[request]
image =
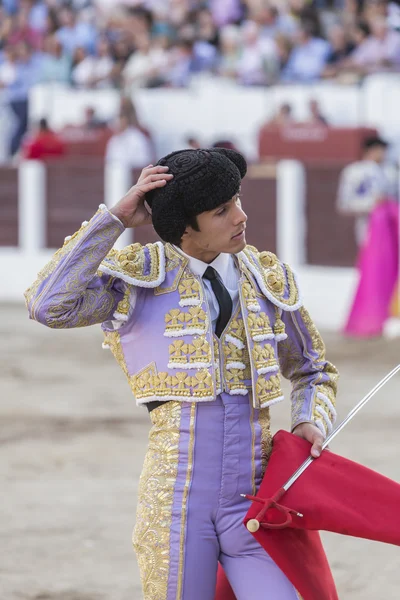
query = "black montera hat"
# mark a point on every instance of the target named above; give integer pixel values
(203, 180)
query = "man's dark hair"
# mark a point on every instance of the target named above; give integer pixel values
(190, 222)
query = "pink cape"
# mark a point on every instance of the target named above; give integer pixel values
(378, 269)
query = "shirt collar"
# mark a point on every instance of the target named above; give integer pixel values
(221, 264)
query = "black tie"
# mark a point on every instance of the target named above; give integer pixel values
(223, 298)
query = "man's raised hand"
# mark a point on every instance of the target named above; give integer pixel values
(131, 209)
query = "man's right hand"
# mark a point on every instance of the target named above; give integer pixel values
(131, 210)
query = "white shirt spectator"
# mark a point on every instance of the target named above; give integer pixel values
(130, 148)
(142, 66)
(93, 72)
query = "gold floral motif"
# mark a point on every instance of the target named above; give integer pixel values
(268, 389)
(235, 379)
(264, 357)
(279, 326)
(189, 290)
(237, 330)
(151, 536)
(268, 259)
(233, 353)
(192, 321)
(275, 282)
(131, 258)
(259, 326)
(250, 296)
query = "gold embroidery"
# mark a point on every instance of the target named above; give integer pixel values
(268, 390)
(189, 290)
(113, 341)
(124, 304)
(233, 353)
(185, 502)
(148, 385)
(132, 261)
(173, 260)
(264, 357)
(217, 365)
(264, 420)
(268, 259)
(250, 296)
(196, 354)
(235, 379)
(151, 536)
(275, 275)
(259, 326)
(236, 330)
(316, 340)
(279, 326)
(99, 238)
(179, 322)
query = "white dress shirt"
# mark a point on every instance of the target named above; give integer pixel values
(226, 268)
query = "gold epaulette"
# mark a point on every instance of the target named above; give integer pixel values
(275, 279)
(135, 264)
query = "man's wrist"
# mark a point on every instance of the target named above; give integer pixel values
(118, 216)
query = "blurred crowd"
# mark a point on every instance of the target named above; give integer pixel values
(128, 44)
(163, 43)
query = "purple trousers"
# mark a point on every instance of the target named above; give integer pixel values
(201, 457)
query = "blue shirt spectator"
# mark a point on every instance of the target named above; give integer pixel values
(307, 59)
(74, 34)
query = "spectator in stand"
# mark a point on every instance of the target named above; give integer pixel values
(341, 48)
(95, 71)
(8, 67)
(21, 31)
(316, 117)
(282, 118)
(91, 121)
(379, 52)
(75, 33)
(308, 57)
(226, 12)
(129, 146)
(258, 62)
(207, 29)
(229, 51)
(55, 63)
(43, 144)
(17, 89)
(284, 48)
(146, 66)
(180, 64)
(271, 21)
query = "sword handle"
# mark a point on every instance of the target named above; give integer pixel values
(261, 519)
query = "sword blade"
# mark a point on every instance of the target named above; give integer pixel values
(343, 424)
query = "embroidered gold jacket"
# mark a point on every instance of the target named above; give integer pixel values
(156, 321)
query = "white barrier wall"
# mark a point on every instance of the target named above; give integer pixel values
(213, 108)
